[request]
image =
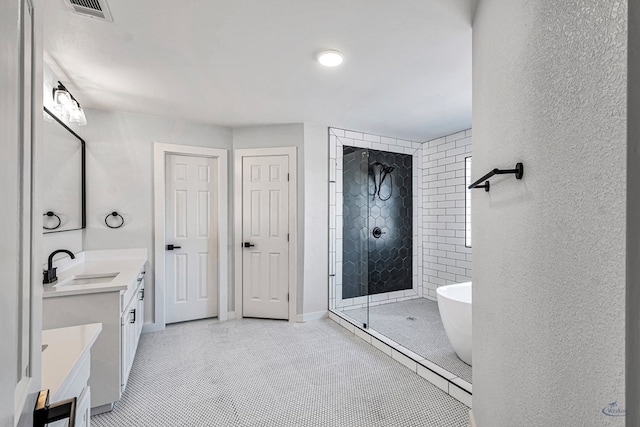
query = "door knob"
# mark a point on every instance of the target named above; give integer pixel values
(248, 245)
(172, 247)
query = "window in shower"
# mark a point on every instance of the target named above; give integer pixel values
(467, 202)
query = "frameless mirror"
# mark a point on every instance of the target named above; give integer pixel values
(63, 171)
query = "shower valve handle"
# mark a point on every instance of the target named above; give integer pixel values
(377, 232)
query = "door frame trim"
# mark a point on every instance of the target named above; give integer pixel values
(160, 152)
(293, 221)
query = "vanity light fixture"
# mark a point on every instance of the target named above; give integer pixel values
(330, 58)
(61, 97)
(68, 106)
(76, 115)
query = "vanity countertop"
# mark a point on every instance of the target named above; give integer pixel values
(125, 269)
(65, 347)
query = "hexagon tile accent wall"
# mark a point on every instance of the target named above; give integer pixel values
(377, 222)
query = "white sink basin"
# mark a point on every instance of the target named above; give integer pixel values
(87, 279)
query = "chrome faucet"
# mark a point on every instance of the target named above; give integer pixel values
(50, 274)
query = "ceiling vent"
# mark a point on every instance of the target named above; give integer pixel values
(97, 9)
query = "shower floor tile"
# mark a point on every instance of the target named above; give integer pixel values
(416, 325)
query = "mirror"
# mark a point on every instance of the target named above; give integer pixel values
(64, 177)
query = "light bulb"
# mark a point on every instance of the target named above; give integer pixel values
(61, 97)
(330, 58)
(82, 119)
(64, 115)
(77, 116)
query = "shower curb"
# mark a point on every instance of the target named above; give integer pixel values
(454, 386)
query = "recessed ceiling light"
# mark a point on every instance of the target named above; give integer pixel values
(330, 58)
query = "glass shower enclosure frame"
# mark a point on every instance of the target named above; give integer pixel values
(351, 269)
(360, 179)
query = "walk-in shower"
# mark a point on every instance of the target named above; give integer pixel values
(374, 235)
(397, 232)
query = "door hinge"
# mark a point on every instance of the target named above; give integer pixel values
(287, 297)
(287, 177)
(287, 237)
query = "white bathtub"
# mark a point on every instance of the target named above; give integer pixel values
(454, 303)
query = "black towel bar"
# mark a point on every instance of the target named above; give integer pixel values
(518, 172)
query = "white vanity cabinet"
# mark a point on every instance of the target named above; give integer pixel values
(119, 306)
(66, 368)
(131, 323)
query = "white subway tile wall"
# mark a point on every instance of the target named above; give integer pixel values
(444, 219)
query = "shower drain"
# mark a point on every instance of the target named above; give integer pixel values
(411, 318)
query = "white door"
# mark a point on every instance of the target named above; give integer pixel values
(265, 237)
(190, 238)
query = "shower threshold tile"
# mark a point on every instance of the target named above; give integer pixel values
(460, 394)
(363, 335)
(463, 384)
(433, 378)
(409, 353)
(406, 361)
(437, 369)
(386, 349)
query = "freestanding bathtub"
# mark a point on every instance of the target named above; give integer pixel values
(454, 303)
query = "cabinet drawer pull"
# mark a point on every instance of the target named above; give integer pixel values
(141, 293)
(133, 313)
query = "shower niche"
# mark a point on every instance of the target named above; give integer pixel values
(377, 225)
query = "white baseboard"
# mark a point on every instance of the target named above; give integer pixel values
(307, 317)
(155, 327)
(152, 327)
(472, 421)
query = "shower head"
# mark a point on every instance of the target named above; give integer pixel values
(383, 167)
(379, 176)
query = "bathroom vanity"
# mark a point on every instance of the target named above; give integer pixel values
(66, 367)
(102, 287)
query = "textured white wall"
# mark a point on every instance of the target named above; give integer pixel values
(633, 213)
(316, 219)
(549, 83)
(445, 258)
(120, 175)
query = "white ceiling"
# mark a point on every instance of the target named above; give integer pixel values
(407, 68)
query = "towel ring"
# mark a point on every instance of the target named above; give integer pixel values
(114, 214)
(50, 214)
